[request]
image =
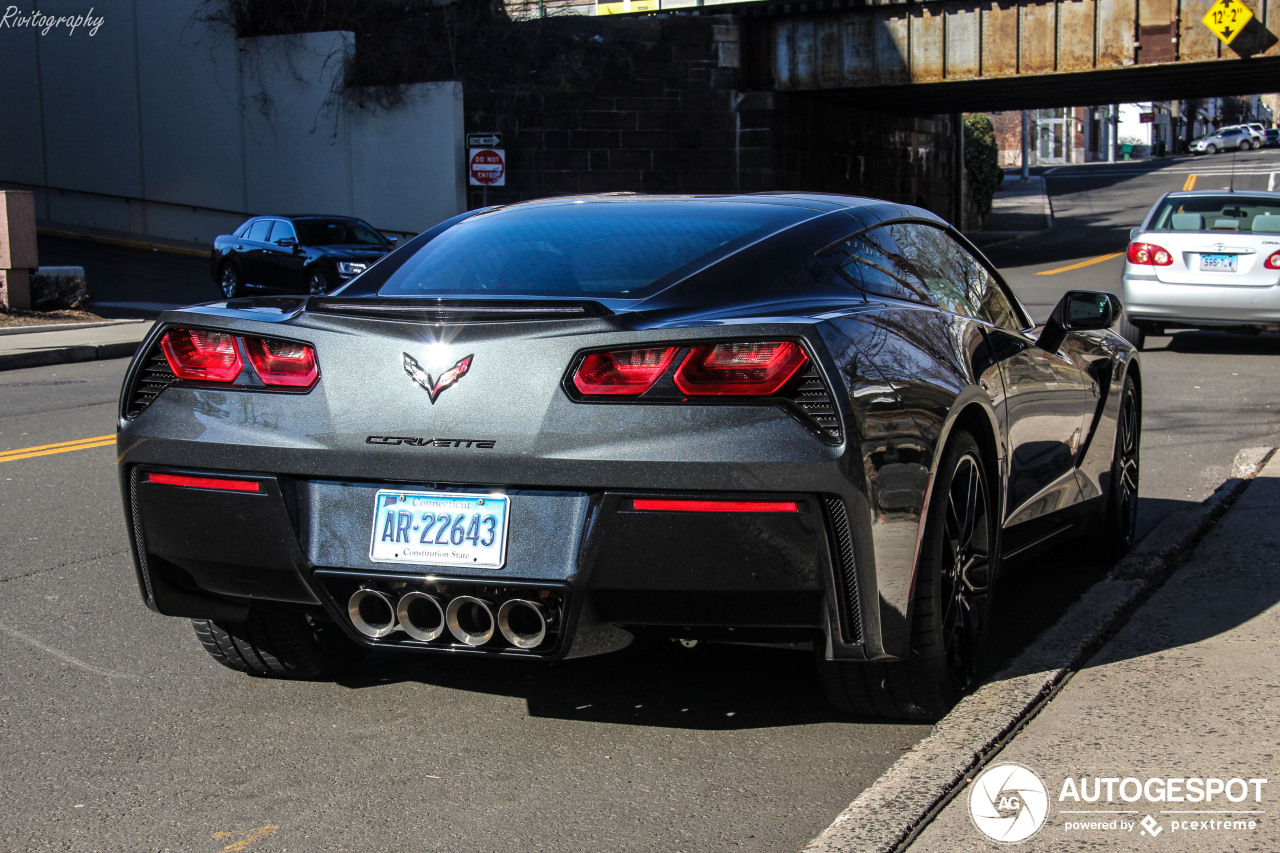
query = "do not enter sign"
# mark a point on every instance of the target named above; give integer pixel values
(488, 167)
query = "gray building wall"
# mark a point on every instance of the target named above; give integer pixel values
(163, 126)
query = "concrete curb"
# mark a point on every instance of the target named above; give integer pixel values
(63, 327)
(67, 355)
(900, 804)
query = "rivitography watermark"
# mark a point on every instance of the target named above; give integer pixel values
(16, 19)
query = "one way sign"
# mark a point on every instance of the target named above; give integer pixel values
(1227, 18)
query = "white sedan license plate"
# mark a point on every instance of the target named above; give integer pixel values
(439, 529)
(1217, 263)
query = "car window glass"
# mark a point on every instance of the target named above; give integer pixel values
(1225, 212)
(872, 262)
(957, 281)
(337, 232)
(282, 230)
(610, 248)
(259, 230)
(243, 231)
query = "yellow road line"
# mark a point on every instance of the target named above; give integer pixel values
(1190, 184)
(61, 447)
(1087, 263)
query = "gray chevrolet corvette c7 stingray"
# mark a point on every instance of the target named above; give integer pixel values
(541, 430)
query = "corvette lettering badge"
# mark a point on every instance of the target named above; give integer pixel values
(436, 387)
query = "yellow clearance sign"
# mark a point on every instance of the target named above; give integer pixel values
(1227, 18)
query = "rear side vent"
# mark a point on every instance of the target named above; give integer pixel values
(813, 399)
(151, 379)
(846, 574)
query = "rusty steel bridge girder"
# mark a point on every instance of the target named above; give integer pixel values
(882, 46)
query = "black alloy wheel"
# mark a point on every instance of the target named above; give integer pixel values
(318, 282)
(1122, 496)
(964, 572)
(229, 280)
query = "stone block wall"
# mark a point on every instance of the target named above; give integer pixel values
(668, 114)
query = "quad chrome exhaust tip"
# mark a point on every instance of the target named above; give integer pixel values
(372, 613)
(470, 620)
(523, 623)
(421, 616)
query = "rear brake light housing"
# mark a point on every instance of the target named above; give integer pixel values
(1149, 253)
(628, 372)
(282, 363)
(755, 369)
(196, 355)
(1273, 262)
(202, 355)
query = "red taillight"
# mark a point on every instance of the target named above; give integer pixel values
(628, 372)
(663, 505)
(220, 483)
(1273, 262)
(756, 369)
(1149, 253)
(201, 356)
(282, 362)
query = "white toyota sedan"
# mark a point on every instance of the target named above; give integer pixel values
(1204, 260)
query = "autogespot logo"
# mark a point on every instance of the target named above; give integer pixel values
(1008, 803)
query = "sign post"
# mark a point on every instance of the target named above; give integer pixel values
(486, 162)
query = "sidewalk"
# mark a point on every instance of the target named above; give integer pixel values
(1189, 689)
(37, 346)
(1019, 207)
(1157, 737)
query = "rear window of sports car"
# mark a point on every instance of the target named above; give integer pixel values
(619, 249)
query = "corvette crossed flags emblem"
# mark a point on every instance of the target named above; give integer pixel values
(435, 387)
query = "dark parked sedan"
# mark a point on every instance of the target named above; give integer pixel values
(300, 254)
(540, 430)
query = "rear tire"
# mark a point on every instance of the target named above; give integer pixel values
(951, 605)
(1132, 332)
(280, 644)
(1121, 522)
(1245, 146)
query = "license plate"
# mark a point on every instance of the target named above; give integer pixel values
(1217, 263)
(439, 529)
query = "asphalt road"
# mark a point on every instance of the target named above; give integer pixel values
(117, 732)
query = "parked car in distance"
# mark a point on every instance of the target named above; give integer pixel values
(538, 430)
(1227, 139)
(1208, 259)
(1272, 137)
(298, 254)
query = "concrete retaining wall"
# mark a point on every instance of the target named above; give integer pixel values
(162, 126)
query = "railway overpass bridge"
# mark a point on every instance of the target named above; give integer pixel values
(936, 56)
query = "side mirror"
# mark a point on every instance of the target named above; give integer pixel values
(392, 240)
(287, 242)
(1079, 311)
(1133, 234)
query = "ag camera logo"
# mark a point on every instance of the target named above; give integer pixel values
(1008, 803)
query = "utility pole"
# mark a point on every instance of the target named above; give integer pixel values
(1026, 146)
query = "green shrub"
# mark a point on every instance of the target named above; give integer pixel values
(981, 160)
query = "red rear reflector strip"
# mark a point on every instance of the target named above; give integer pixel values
(663, 505)
(218, 483)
